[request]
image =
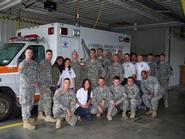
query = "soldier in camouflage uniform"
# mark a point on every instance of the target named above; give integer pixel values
(45, 81)
(28, 84)
(109, 56)
(133, 98)
(152, 64)
(115, 70)
(107, 62)
(120, 55)
(77, 69)
(117, 98)
(164, 72)
(93, 69)
(100, 56)
(64, 104)
(152, 93)
(103, 60)
(100, 98)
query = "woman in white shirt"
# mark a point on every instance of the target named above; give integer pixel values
(67, 72)
(83, 100)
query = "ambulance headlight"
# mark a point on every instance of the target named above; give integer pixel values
(76, 32)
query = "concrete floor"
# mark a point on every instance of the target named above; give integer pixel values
(170, 124)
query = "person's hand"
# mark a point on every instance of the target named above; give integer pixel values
(84, 106)
(152, 95)
(102, 104)
(69, 114)
(100, 109)
(116, 103)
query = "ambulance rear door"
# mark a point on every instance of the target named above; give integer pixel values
(68, 45)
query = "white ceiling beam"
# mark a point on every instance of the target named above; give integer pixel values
(162, 24)
(9, 4)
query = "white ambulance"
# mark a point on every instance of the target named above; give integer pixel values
(62, 39)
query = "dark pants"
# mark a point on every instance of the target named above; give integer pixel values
(138, 83)
(84, 113)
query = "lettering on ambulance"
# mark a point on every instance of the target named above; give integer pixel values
(113, 49)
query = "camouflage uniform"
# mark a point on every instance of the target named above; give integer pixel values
(164, 73)
(152, 92)
(28, 77)
(105, 63)
(101, 60)
(153, 68)
(115, 70)
(77, 69)
(45, 81)
(133, 98)
(100, 95)
(64, 101)
(118, 96)
(93, 70)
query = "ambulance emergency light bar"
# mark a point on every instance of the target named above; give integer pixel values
(30, 37)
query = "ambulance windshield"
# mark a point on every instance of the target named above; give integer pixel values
(8, 52)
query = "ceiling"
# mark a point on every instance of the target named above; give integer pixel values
(116, 15)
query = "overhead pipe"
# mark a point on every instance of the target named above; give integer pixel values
(99, 13)
(10, 4)
(183, 6)
(77, 13)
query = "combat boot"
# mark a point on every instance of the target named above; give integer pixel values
(31, 120)
(109, 116)
(124, 115)
(28, 125)
(149, 112)
(41, 116)
(154, 114)
(79, 118)
(98, 114)
(50, 119)
(132, 116)
(58, 123)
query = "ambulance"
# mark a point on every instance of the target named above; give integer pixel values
(62, 39)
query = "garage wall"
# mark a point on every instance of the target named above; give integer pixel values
(159, 41)
(8, 29)
(177, 58)
(148, 41)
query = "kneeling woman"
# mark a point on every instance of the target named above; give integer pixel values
(83, 100)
